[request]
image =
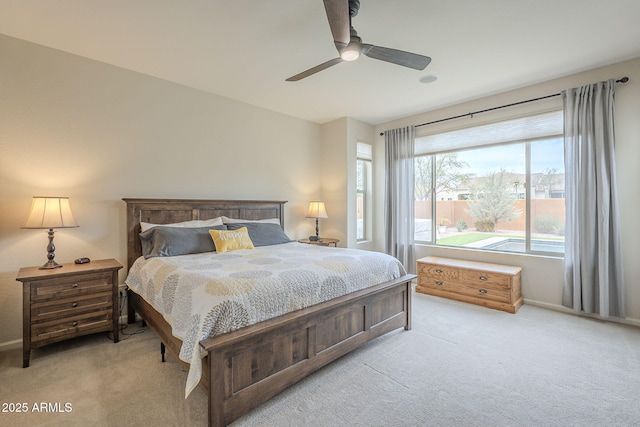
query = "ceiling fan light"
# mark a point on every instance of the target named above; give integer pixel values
(350, 53)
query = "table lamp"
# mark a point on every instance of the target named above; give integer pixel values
(50, 212)
(316, 210)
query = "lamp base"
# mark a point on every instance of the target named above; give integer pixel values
(50, 265)
(314, 238)
(51, 249)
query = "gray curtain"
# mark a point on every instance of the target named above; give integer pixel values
(399, 200)
(593, 257)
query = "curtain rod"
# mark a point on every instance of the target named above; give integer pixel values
(622, 80)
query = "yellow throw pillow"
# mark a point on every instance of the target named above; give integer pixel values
(228, 240)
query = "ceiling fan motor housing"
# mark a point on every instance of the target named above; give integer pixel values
(354, 7)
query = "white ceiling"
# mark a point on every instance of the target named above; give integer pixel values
(245, 49)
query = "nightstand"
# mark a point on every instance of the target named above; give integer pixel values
(66, 302)
(324, 241)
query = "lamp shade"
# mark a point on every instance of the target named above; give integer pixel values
(50, 212)
(316, 210)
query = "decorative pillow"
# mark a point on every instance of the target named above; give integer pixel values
(227, 220)
(144, 226)
(161, 241)
(263, 234)
(227, 240)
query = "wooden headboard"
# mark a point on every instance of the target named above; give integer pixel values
(167, 211)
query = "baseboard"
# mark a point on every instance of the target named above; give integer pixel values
(10, 345)
(563, 309)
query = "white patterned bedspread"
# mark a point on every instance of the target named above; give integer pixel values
(207, 294)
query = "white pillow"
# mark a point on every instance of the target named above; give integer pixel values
(227, 220)
(186, 224)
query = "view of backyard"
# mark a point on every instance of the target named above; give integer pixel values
(482, 197)
(456, 226)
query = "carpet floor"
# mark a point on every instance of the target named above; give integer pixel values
(460, 365)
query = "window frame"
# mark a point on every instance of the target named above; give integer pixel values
(364, 156)
(527, 193)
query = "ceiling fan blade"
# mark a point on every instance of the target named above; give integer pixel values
(338, 16)
(314, 70)
(400, 57)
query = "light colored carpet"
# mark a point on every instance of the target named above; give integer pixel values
(460, 365)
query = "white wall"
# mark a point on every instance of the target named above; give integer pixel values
(542, 276)
(339, 155)
(70, 126)
(334, 163)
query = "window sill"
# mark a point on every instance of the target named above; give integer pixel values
(487, 251)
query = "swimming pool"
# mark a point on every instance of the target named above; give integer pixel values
(518, 245)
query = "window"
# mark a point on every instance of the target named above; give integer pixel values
(493, 187)
(363, 191)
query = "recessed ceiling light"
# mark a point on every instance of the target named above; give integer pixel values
(428, 79)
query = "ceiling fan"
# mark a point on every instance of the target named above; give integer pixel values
(350, 46)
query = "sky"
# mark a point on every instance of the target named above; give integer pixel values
(545, 155)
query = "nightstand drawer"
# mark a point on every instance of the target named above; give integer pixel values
(484, 278)
(433, 283)
(486, 293)
(67, 307)
(437, 271)
(71, 286)
(76, 325)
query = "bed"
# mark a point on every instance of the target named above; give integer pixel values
(247, 366)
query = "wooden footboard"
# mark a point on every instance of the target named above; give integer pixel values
(247, 367)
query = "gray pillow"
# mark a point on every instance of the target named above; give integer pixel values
(162, 241)
(263, 234)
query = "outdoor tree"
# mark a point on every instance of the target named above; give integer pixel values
(422, 177)
(492, 199)
(448, 175)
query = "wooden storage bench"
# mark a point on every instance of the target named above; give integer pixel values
(491, 285)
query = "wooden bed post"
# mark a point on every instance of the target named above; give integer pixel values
(216, 389)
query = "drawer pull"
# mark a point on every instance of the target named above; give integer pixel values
(74, 324)
(75, 285)
(439, 271)
(482, 291)
(75, 304)
(483, 278)
(439, 283)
